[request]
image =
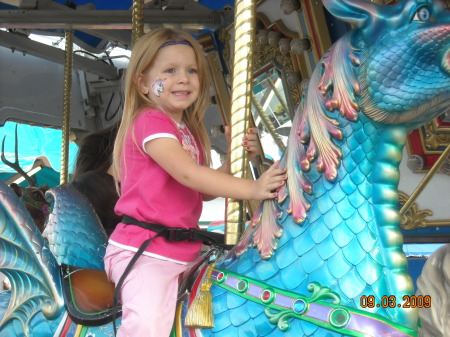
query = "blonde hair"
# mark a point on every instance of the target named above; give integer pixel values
(142, 56)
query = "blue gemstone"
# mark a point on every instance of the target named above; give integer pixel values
(299, 306)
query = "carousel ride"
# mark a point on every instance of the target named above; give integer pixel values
(325, 258)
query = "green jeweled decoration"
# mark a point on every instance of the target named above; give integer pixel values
(318, 293)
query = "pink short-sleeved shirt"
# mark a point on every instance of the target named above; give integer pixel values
(150, 194)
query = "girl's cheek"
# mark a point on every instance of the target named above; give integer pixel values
(158, 86)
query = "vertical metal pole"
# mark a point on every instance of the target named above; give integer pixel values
(244, 32)
(137, 29)
(267, 123)
(68, 62)
(277, 94)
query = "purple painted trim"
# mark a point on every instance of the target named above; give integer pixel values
(283, 301)
(317, 311)
(231, 282)
(379, 328)
(254, 290)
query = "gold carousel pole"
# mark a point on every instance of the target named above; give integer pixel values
(267, 123)
(68, 62)
(277, 94)
(244, 31)
(137, 18)
(437, 165)
(137, 32)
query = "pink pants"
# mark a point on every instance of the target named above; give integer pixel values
(148, 294)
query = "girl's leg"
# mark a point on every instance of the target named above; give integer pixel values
(148, 295)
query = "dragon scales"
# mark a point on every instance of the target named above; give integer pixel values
(331, 239)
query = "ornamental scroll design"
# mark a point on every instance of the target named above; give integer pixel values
(435, 136)
(414, 218)
(264, 53)
(318, 293)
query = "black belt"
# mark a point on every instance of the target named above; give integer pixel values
(177, 233)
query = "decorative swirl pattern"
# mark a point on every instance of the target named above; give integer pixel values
(28, 263)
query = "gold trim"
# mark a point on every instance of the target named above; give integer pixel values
(265, 55)
(277, 25)
(137, 28)
(217, 75)
(439, 128)
(225, 36)
(414, 218)
(437, 165)
(67, 99)
(435, 137)
(316, 23)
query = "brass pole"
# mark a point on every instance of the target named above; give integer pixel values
(277, 94)
(244, 31)
(68, 62)
(437, 165)
(137, 19)
(267, 123)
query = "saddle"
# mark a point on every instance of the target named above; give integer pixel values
(89, 296)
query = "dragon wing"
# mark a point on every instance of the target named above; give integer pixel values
(74, 231)
(28, 263)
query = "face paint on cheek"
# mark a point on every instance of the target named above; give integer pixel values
(158, 86)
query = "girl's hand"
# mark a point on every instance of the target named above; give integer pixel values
(267, 186)
(249, 141)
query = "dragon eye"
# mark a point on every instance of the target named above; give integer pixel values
(38, 195)
(422, 14)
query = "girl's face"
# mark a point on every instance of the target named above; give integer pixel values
(172, 81)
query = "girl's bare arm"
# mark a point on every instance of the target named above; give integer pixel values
(170, 155)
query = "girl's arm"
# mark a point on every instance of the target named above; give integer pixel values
(171, 156)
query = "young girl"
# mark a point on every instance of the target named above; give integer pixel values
(161, 159)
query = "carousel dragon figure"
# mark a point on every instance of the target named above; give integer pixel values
(325, 259)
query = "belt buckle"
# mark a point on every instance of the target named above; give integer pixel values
(191, 234)
(177, 234)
